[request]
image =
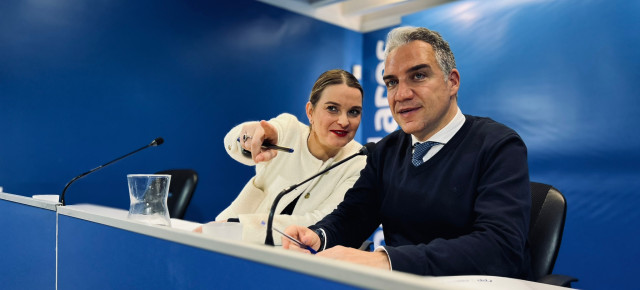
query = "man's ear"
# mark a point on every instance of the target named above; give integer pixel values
(454, 82)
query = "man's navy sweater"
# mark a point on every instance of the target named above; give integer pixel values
(463, 212)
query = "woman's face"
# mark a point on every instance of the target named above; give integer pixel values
(334, 120)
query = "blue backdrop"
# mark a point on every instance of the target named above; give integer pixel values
(83, 82)
(564, 74)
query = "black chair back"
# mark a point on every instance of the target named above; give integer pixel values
(181, 189)
(548, 213)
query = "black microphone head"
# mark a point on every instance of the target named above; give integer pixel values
(367, 148)
(157, 141)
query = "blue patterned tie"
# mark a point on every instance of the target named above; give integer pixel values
(420, 150)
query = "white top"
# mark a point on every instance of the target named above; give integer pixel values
(325, 192)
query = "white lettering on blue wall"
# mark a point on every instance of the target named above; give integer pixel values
(383, 120)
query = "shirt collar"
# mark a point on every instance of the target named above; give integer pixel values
(445, 134)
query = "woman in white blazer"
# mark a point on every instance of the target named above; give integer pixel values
(334, 111)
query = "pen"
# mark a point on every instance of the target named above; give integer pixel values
(300, 244)
(267, 145)
(276, 147)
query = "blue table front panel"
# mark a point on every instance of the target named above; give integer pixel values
(28, 246)
(96, 256)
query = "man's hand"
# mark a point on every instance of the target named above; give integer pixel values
(310, 238)
(372, 259)
(302, 234)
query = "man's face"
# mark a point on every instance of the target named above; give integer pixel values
(420, 100)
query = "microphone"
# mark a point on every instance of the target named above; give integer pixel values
(366, 149)
(156, 142)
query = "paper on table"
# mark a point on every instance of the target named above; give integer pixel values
(184, 225)
(47, 197)
(224, 230)
(492, 282)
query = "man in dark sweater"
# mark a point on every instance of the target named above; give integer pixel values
(450, 190)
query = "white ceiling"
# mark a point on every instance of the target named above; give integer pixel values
(357, 15)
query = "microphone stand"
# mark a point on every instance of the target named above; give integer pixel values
(269, 238)
(155, 142)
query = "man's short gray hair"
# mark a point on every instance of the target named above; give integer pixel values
(403, 35)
